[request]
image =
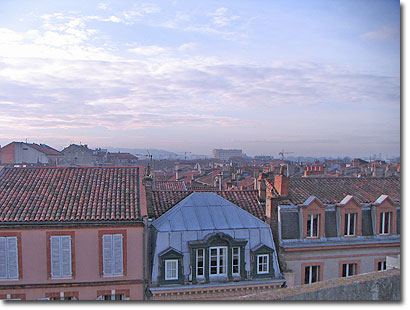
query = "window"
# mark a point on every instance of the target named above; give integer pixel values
(381, 266)
(236, 261)
(113, 295)
(112, 246)
(171, 269)
(349, 270)
(263, 264)
(312, 274)
(385, 223)
(350, 224)
(313, 225)
(217, 260)
(60, 254)
(200, 263)
(8, 258)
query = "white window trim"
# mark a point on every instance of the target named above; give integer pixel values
(354, 267)
(218, 255)
(311, 217)
(166, 269)
(349, 229)
(258, 264)
(383, 220)
(203, 263)
(239, 261)
(7, 257)
(310, 268)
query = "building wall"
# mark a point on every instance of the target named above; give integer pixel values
(383, 285)
(7, 154)
(87, 279)
(26, 154)
(366, 258)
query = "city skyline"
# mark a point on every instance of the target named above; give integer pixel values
(316, 78)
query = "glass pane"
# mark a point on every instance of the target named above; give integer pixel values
(315, 225)
(346, 224)
(352, 224)
(315, 274)
(307, 275)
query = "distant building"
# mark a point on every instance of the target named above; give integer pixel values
(122, 159)
(31, 154)
(226, 154)
(77, 155)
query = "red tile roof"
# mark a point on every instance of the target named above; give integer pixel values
(333, 190)
(170, 185)
(69, 194)
(162, 201)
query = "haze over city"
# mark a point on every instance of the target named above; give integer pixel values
(317, 78)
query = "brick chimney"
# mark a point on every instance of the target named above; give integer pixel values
(282, 184)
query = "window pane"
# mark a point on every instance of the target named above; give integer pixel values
(352, 224)
(315, 225)
(315, 275)
(307, 275)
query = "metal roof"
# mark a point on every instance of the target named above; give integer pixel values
(206, 211)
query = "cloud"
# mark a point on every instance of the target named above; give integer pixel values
(221, 19)
(148, 50)
(386, 33)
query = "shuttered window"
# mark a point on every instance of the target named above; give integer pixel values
(8, 258)
(60, 248)
(112, 255)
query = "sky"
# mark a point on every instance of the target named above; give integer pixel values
(311, 77)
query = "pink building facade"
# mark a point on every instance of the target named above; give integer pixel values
(82, 241)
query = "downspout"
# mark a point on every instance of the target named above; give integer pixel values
(144, 260)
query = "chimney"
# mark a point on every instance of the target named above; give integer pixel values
(261, 186)
(177, 173)
(282, 185)
(220, 181)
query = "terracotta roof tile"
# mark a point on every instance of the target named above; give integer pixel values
(69, 194)
(333, 190)
(162, 201)
(170, 185)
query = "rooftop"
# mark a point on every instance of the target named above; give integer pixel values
(69, 194)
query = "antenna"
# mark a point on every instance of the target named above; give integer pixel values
(283, 153)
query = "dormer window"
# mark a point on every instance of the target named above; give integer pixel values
(313, 226)
(385, 220)
(350, 224)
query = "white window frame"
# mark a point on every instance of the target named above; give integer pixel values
(220, 250)
(348, 229)
(111, 266)
(310, 218)
(9, 258)
(203, 263)
(239, 261)
(310, 270)
(171, 261)
(259, 263)
(383, 223)
(383, 265)
(350, 266)
(62, 257)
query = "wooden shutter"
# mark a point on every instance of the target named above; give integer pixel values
(12, 258)
(3, 258)
(118, 254)
(55, 256)
(65, 255)
(107, 255)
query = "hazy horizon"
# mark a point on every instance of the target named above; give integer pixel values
(313, 77)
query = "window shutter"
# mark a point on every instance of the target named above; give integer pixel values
(107, 255)
(66, 256)
(3, 258)
(118, 254)
(55, 256)
(12, 257)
